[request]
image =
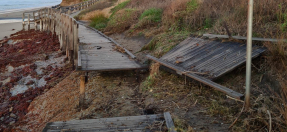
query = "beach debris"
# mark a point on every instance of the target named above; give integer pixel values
(120, 49)
(24, 67)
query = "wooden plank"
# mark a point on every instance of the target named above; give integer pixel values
(130, 123)
(135, 124)
(79, 60)
(205, 81)
(244, 38)
(99, 66)
(113, 119)
(169, 122)
(128, 52)
(82, 92)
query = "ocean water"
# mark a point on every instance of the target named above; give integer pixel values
(13, 5)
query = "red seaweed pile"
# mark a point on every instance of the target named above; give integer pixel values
(29, 47)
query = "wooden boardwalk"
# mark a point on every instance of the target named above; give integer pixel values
(98, 52)
(206, 60)
(86, 48)
(144, 123)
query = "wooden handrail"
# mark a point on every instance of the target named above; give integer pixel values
(57, 21)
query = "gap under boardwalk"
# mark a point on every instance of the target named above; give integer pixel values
(99, 53)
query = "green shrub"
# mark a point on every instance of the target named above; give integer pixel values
(153, 15)
(122, 21)
(99, 21)
(192, 5)
(208, 23)
(150, 17)
(119, 7)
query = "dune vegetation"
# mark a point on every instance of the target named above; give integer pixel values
(169, 22)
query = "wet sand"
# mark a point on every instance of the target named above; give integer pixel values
(9, 28)
(11, 21)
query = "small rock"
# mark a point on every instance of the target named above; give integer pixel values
(29, 101)
(46, 90)
(10, 109)
(13, 115)
(2, 118)
(11, 123)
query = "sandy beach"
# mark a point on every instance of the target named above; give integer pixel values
(10, 21)
(9, 28)
(16, 14)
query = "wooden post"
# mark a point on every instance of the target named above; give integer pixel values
(82, 92)
(35, 23)
(23, 21)
(69, 12)
(76, 26)
(41, 25)
(49, 20)
(169, 122)
(28, 21)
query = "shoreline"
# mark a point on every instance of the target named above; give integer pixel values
(11, 21)
(17, 13)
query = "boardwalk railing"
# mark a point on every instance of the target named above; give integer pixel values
(34, 17)
(58, 22)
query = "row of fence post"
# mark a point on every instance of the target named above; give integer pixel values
(59, 23)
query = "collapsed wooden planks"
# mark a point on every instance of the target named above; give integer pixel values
(205, 60)
(244, 38)
(129, 123)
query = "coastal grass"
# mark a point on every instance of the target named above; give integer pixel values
(150, 17)
(169, 22)
(123, 20)
(99, 21)
(119, 7)
(98, 6)
(162, 43)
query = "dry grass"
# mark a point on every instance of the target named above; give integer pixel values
(123, 20)
(162, 43)
(180, 17)
(70, 2)
(100, 7)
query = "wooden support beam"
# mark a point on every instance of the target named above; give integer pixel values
(169, 122)
(203, 80)
(82, 92)
(28, 21)
(244, 38)
(41, 25)
(79, 60)
(23, 21)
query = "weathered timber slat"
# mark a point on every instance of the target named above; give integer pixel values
(169, 122)
(244, 38)
(203, 80)
(129, 123)
(99, 53)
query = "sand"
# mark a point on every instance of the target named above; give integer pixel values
(10, 21)
(14, 14)
(7, 28)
